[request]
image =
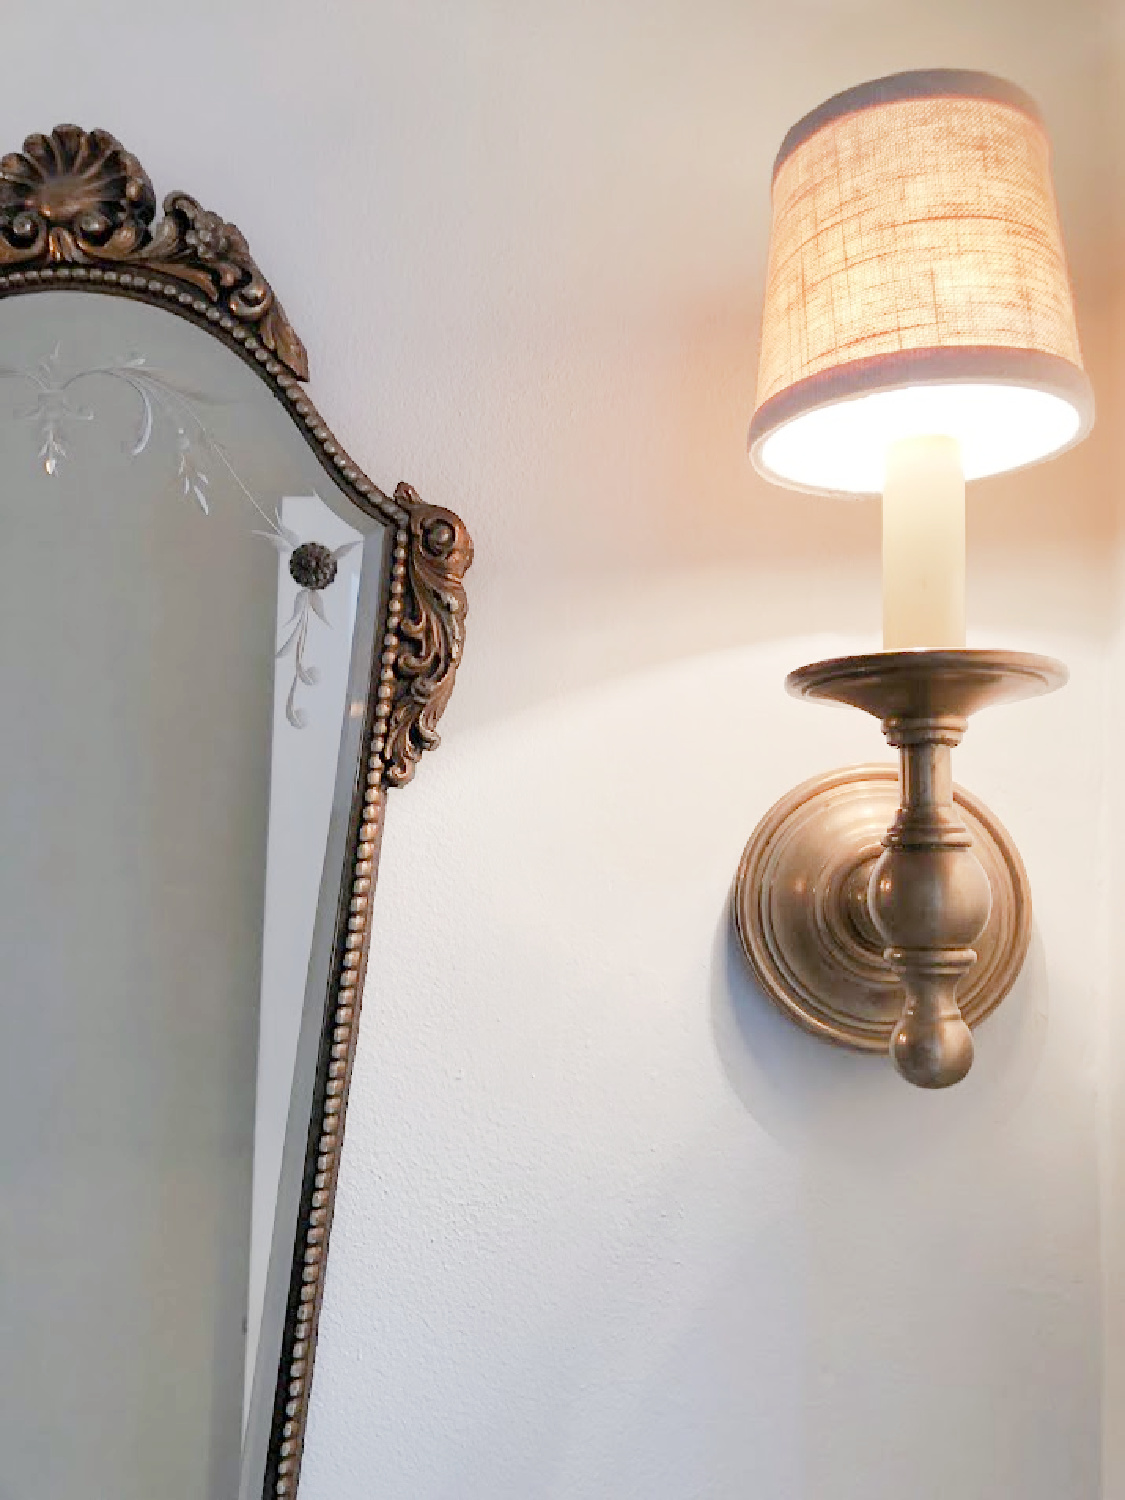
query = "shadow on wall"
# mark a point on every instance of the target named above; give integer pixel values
(816, 1099)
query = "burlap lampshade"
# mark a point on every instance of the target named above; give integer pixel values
(917, 284)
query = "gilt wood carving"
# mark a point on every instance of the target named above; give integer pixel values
(77, 197)
(431, 632)
(78, 211)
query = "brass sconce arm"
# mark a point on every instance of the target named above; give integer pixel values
(872, 947)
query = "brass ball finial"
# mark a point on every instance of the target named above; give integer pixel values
(932, 1052)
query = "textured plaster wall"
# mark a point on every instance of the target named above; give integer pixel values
(1113, 833)
(1113, 1037)
(607, 1226)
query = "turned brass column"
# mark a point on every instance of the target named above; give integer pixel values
(929, 900)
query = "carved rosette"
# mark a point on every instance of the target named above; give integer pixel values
(431, 632)
(78, 197)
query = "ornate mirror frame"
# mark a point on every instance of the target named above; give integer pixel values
(78, 211)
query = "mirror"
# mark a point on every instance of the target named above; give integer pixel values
(222, 646)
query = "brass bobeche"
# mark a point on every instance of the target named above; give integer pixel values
(819, 909)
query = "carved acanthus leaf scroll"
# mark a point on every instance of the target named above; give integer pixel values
(77, 197)
(431, 631)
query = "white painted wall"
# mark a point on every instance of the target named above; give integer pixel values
(607, 1226)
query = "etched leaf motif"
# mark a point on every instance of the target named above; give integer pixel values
(197, 453)
(193, 479)
(312, 565)
(144, 430)
(52, 449)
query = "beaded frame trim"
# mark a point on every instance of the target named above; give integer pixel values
(77, 212)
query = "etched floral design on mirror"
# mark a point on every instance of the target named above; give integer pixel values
(198, 453)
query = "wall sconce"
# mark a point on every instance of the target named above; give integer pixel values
(918, 331)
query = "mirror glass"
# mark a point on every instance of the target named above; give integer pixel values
(188, 610)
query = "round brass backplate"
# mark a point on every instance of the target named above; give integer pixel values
(800, 906)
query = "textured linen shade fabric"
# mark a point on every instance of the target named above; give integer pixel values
(917, 286)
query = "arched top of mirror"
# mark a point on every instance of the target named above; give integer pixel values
(78, 212)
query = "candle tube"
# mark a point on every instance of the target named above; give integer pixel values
(924, 545)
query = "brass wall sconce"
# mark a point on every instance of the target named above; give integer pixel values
(918, 331)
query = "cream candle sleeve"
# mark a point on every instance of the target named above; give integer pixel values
(924, 545)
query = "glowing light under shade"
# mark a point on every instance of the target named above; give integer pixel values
(842, 447)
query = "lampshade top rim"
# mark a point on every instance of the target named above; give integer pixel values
(921, 83)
